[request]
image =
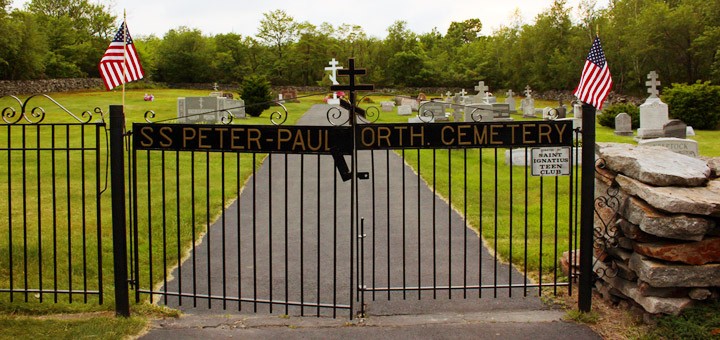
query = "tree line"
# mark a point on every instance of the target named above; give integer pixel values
(680, 39)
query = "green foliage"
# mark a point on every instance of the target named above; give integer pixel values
(702, 322)
(256, 94)
(184, 56)
(607, 118)
(582, 317)
(698, 104)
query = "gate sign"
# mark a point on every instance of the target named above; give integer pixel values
(551, 161)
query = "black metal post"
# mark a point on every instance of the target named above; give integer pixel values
(587, 208)
(117, 175)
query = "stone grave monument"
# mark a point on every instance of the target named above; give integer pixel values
(687, 147)
(211, 109)
(653, 113)
(528, 104)
(623, 124)
(675, 128)
(510, 100)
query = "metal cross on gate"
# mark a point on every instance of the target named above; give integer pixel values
(352, 87)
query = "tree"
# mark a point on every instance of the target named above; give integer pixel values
(278, 30)
(22, 47)
(77, 33)
(464, 32)
(185, 56)
(255, 92)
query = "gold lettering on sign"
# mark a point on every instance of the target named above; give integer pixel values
(494, 134)
(526, 133)
(384, 134)
(415, 135)
(443, 134)
(235, 139)
(253, 136)
(148, 138)
(512, 132)
(299, 143)
(202, 132)
(481, 135)
(188, 134)
(544, 131)
(164, 134)
(560, 129)
(364, 134)
(462, 134)
(319, 140)
(283, 136)
(221, 132)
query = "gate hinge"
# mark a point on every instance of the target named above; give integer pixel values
(363, 175)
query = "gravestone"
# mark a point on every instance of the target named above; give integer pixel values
(479, 113)
(414, 105)
(510, 100)
(481, 96)
(687, 147)
(433, 109)
(561, 110)
(548, 113)
(528, 104)
(289, 95)
(653, 113)
(208, 109)
(501, 112)
(404, 110)
(577, 109)
(387, 106)
(623, 124)
(334, 100)
(675, 128)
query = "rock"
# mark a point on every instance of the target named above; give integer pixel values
(625, 243)
(659, 274)
(695, 253)
(700, 294)
(667, 292)
(634, 232)
(624, 271)
(651, 304)
(714, 164)
(654, 165)
(696, 201)
(621, 254)
(652, 221)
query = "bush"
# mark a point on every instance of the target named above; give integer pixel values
(255, 92)
(698, 105)
(607, 118)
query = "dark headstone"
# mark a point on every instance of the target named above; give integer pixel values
(561, 110)
(675, 128)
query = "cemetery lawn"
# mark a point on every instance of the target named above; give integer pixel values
(515, 217)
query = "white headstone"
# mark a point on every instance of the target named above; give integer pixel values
(653, 113)
(510, 100)
(549, 113)
(623, 124)
(687, 147)
(404, 110)
(528, 104)
(479, 113)
(334, 100)
(387, 106)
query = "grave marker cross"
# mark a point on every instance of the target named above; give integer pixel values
(352, 87)
(510, 93)
(653, 84)
(481, 88)
(333, 71)
(528, 91)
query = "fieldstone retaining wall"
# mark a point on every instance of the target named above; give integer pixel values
(657, 234)
(23, 87)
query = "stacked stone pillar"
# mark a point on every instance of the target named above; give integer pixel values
(658, 243)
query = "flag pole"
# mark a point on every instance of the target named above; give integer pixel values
(124, 77)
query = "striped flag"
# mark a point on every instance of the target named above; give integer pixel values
(595, 82)
(121, 54)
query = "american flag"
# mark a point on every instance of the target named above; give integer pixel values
(595, 82)
(113, 63)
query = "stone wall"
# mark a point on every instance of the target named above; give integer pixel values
(659, 244)
(26, 87)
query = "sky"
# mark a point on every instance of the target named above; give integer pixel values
(145, 17)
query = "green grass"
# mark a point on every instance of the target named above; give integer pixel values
(702, 322)
(496, 221)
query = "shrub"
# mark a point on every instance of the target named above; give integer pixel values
(698, 105)
(607, 118)
(255, 92)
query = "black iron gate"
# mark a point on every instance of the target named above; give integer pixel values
(312, 220)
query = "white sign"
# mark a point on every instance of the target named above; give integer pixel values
(551, 161)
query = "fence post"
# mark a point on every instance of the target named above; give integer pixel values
(117, 175)
(587, 208)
